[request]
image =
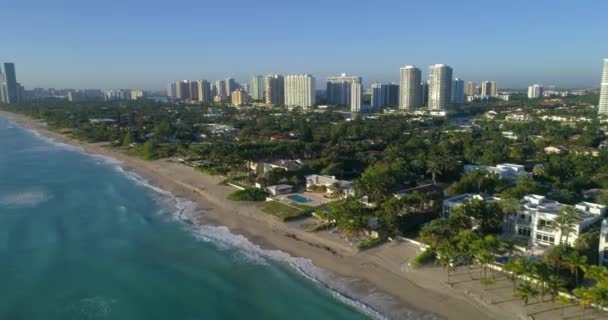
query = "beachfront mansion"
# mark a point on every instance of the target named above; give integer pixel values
(532, 223)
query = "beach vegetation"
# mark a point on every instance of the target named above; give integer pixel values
(248, 194)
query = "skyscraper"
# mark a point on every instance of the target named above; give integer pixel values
(10, 79)
(535, 91)
(182, 90)
(488, 89)
(424, 93)
(603, 106)
(339, 89)
(193, 90)
(470, 90)
(440, 87)
(239, 97)
(355, 97)
(391, 94)
(172, 90)
(3, 98)
(220, 90)
(409, 86)
(257, 87)
(204, 91)
(275, 89)
(457, 96)
(300, 91)
(378, 99)
(230, 86)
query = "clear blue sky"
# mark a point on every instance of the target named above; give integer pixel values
(144, 44)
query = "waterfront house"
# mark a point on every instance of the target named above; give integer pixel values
(344, 188)
(507, 171)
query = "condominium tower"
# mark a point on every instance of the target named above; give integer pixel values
(488, 89)
(535, 91)
(603, 106)
(11, 85)
(3, 98)
(378, 100)
(355, 97)
(440, 87)
(457, 96)
(339, 89)
(203, 91)
(257, 87)
(300, 91)
(470, 90)
(275, 89)
(409, 85)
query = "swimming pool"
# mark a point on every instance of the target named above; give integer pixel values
(299, 198)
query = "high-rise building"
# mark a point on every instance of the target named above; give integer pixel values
(245, 86)
(440, 87)
(203, 88)
(239, 97)
(275, 89)
(230, 86)
(172, 90)
(424, 93)
(603, 106)
(457, 96)
(220, 90)
(182, 90)
(378, 98)
(257, 87)
(409, 86)
(339, 89)
(488, 89)
(390, 91)
(3, 98)
(355, 97)
(470, 90)
(193, 90)
(300, 91)
(10, 80)
(135, 94)
(535, 91)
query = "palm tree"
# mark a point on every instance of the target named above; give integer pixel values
(434, 168)
(446, 254)
(542, 273)
(599, 296)
(574, 261)
(584, 298)
(563, 301)
(525, 291)
(555, 285)
(566, 222)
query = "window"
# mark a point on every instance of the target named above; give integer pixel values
(523, 231)
(546, 238)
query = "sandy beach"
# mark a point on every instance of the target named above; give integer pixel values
(380, 276)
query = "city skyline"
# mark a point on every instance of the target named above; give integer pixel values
(143, 53)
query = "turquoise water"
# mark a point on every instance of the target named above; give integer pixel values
(298, 198)
(82, 239)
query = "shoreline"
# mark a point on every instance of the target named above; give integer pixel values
(379, 272)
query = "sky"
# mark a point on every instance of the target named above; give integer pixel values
(145, 44)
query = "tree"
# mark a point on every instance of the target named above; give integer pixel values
(542, 273)
(525, 291)
(599, 296)
(128, 139)
(584, 297)
(563, 301)
(574, 261)
(484, 251)
(555, 285)
(148, 150)
(433, 168)
(566, 222)
(447, 254)
(376, 182)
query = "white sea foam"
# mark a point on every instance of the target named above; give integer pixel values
(26, 198)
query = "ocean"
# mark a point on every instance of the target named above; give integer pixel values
(81, 238)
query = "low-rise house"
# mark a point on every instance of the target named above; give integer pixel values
(344, 188)
(555, 150)
(533, 222)
(509, 135)
(280, 189)
(519, 116)
(105, 121)
(263, 167)
(506, 171)
(585, 151)
(452, 203)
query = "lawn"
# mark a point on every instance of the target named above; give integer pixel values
(283, 211)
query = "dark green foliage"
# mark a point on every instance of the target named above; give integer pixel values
(249, 194)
